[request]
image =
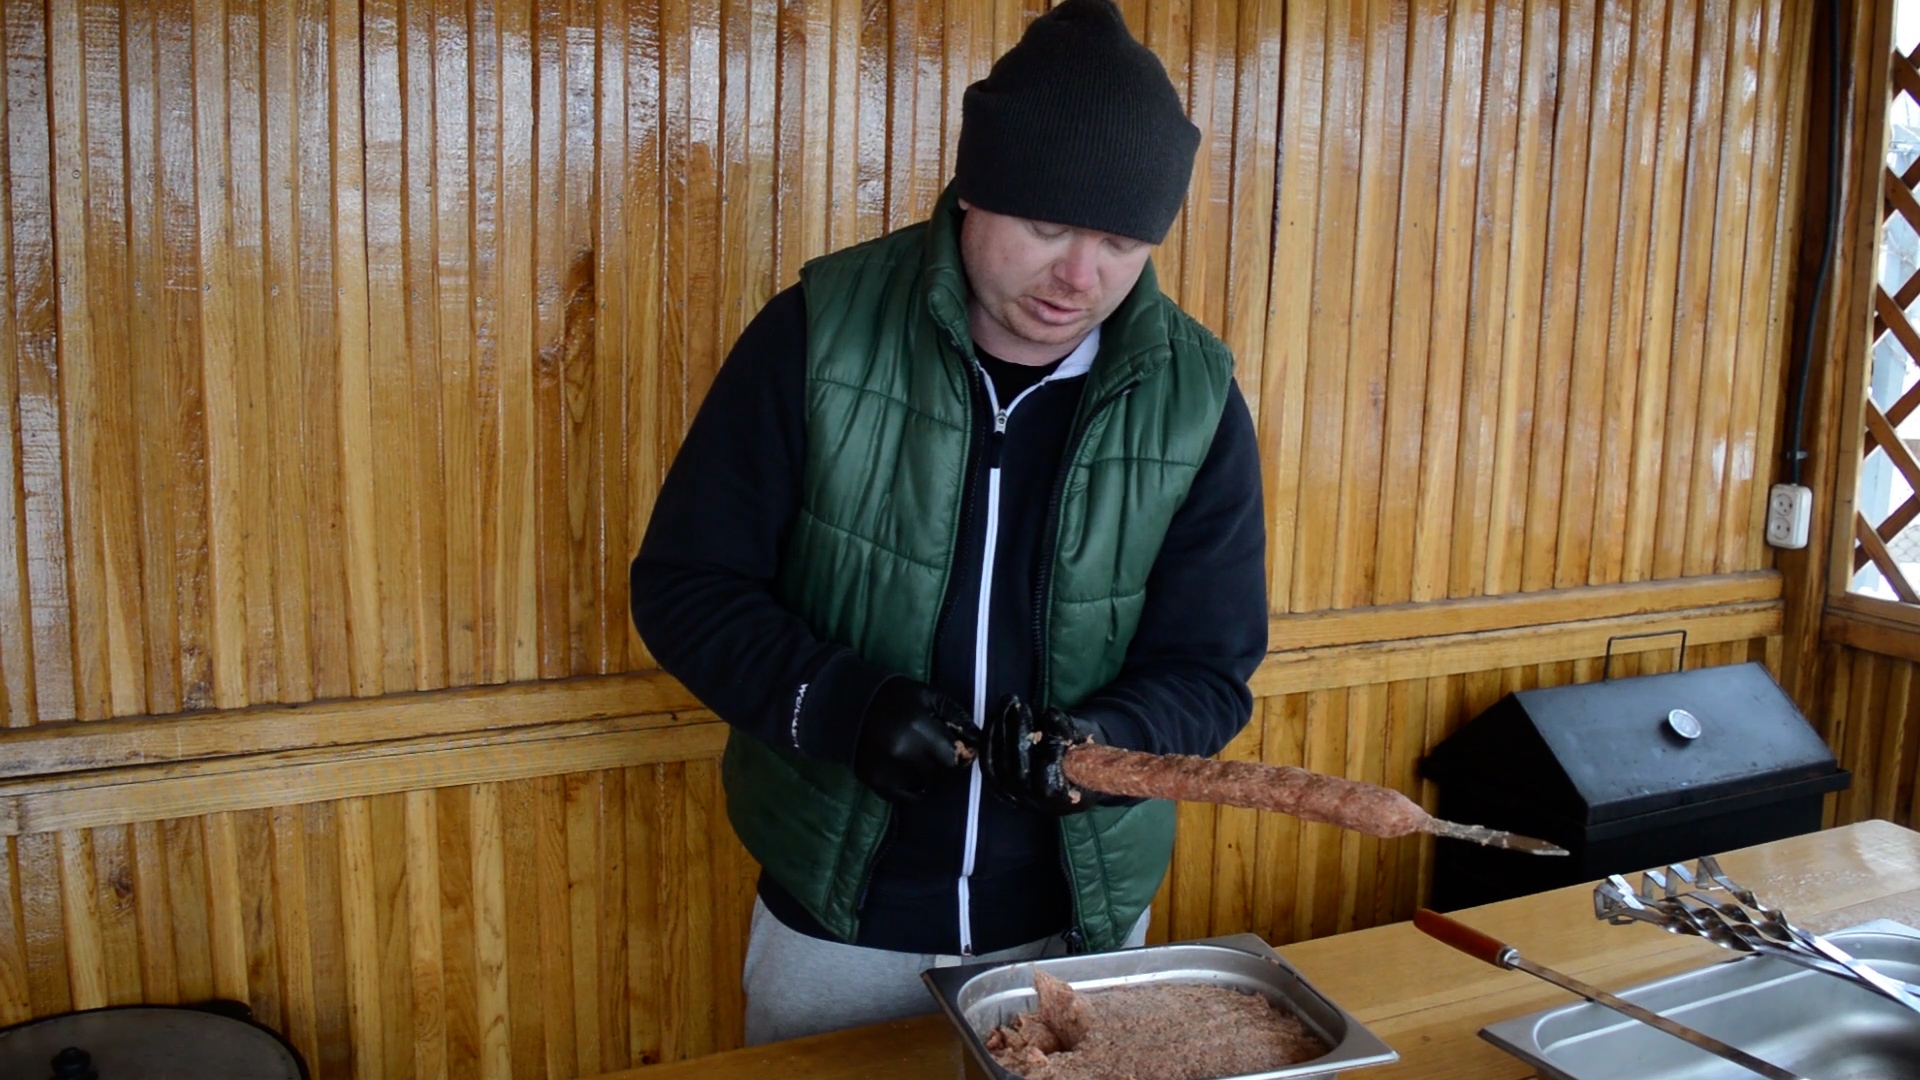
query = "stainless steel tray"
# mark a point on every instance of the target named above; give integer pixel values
(1806, 1021)
(978, 997)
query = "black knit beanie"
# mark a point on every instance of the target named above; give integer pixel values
(1078, 125)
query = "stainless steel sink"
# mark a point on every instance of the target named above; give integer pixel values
(1819, 1026)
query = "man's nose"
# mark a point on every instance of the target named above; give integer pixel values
(1078, 268)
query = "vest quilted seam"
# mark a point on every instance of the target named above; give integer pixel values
(815, 521)
(901, 403)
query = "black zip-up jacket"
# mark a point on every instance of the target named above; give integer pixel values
(703, 600)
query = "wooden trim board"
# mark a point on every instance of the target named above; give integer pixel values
(125, 796)
(151, 768)
(1343, 642)
(341, 722)
(1490, 650)
(1550, 607)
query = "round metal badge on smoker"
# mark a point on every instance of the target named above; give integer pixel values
(1684, 724)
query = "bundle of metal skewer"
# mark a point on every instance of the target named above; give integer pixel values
(1705, 903)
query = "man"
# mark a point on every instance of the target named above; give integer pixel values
(967, 494)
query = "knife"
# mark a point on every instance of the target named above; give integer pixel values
(1498, 953)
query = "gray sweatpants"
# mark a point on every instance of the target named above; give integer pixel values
(799, 985)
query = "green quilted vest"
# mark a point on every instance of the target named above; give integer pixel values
(889, 420)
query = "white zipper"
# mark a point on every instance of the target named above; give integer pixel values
(992, 545)
(1073, 365)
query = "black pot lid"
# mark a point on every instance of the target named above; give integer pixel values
(150, 1043)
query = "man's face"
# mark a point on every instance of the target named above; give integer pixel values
(1038, 288)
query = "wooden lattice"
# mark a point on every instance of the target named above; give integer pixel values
(1902, 197)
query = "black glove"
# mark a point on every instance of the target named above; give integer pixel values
(911, 735)
(1023, 755)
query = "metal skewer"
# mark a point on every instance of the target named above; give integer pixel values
(1496, 952)
(1499, 838)
(1705, 903)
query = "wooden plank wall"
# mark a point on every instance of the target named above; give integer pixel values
(345, 344)
(1871, 717)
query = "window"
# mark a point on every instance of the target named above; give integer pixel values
(1886, 526)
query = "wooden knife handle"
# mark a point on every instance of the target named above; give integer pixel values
(1452, 932)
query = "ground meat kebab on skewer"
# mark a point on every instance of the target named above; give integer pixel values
(1311, 796)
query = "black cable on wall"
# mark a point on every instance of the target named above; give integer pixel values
(1838, 72)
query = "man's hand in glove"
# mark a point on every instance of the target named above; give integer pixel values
(1023, 756)
(911, 735)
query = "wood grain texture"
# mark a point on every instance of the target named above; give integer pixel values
(394, 253)
(1873, 715)
(333, 952)
(345, 344)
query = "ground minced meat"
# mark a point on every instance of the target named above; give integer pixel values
(1151, 1032)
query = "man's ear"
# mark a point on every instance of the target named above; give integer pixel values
(964, 204)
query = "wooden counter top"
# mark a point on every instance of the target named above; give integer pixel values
(1427, 1001)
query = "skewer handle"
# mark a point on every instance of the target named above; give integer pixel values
(1480, 946)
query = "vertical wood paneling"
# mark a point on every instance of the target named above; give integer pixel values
(1561, 291)
(501, 250)
(1731, 211)
(346, 343)
(499, 929)
(86, 959)
(16, 1001)
(455, 912)
(49, 989)
(79, 390)
(457, 324)
(1522, 363)
(184, 863)
(1873, 715)
(1658, 341)
(320, 338)
(114, 904)
(225, 587)
(1400, 507)
(1487, 318)
(1618, 449)
(265, 988)
(159, 981)
(1282, 417)
(645, 940)
(284, 415)
(226, 927)
(1593, 303)
(1694, 288)
(41, 594)
(156, 547)
(422, 939)
(292, 945)
(1451, 237)
(257, 541)
(15, 616)
(390, 422)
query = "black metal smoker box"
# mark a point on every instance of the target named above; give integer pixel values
(1626, 774)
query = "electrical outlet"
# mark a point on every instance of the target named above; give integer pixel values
(1789, 511)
